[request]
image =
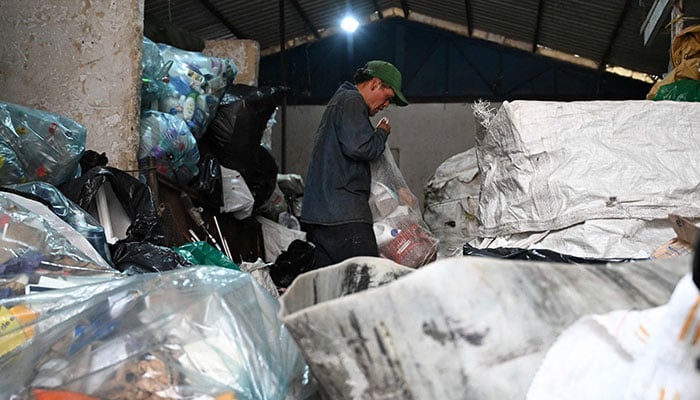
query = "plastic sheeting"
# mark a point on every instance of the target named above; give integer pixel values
(550, 165)
(197, 333)
(458, 328)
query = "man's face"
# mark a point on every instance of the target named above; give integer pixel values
(380, 96)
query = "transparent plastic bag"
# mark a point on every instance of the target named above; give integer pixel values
(198, 333)
(196, 84)
(169, 141)
(38, 250)
(154, 75)
(69, 212)
(47, 146)
(402, 235)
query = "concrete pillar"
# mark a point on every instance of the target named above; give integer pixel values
(80, 59)
(244, 53)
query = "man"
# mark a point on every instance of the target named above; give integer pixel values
(335, 209)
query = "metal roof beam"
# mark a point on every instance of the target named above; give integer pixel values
(659, 12)
(615, 34)
(404, 7)
(470, 21)
(538, 25)
(307, 21)
(215, 12)
(378, 10)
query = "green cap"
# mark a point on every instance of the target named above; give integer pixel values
(389, 75)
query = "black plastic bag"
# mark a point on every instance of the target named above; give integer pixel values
(512, 253)
(241, 119)
(234, 136)
(297, 259)
(142, 257)
(135, 196)
(208, 182)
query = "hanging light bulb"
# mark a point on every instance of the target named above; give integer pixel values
(349, 24)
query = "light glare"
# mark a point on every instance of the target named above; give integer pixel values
(349, 24)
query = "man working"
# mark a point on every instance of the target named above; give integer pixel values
(335, 210)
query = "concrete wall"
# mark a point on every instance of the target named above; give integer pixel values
(423, 136)
(80, 59)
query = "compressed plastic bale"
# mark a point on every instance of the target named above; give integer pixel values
(200, 333)
(627, 354)
(451, 201)
(550, 165)
(46, 146)
(458, 328)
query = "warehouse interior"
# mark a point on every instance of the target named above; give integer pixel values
(535, 209)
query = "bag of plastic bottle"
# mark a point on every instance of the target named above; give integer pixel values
(196, 84)
(46, 146)
(168, 140)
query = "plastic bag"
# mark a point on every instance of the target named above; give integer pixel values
(266, 140)
(196, 333)
(134, 258)
(402, 235)
(154, 75)
(297, 259)
(202, 253)
(277, 237)
(169, 141)
(38, 250)
(234, 136)
(243, 115)
(681, 90)
(134, 196)
(539, 255)
(196, 84)
(237, 198)
(261, 272)
(208, 182)
(69, 212)
(274, 205)
(47, 146)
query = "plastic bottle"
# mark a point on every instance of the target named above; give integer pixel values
(384, 233)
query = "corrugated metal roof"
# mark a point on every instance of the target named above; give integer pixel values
(604, 31)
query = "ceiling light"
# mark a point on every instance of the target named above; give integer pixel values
(349, 24)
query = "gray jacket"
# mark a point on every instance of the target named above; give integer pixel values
(338, 180)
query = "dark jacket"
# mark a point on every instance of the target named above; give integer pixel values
(338, 180)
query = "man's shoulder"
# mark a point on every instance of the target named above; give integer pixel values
(346, 92)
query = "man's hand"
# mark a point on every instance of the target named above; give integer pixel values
(384, 124)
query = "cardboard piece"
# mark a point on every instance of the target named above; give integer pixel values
(684, 242)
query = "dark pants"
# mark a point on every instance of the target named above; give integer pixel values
(340, 242)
